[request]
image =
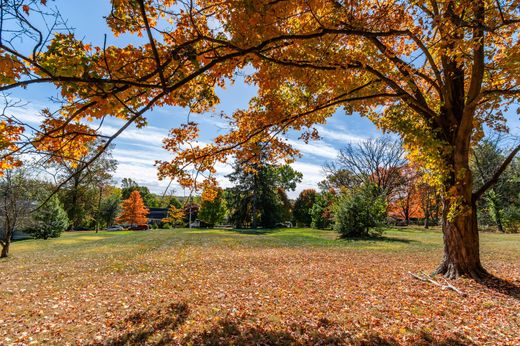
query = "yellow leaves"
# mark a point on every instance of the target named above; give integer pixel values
(175, 215)
(65, 57)
(181, 136)
(210, 189)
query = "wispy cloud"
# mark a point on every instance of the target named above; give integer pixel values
(28, 114)
(338, 134)
(312, 175)
(315, 148)
(150, 135)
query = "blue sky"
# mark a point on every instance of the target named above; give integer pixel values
(137, 149)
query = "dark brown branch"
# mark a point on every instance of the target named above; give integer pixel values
(494, 179)
(152, 43)
(403, 68)
(76, 80)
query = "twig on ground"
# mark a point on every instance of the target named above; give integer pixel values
(426, 278)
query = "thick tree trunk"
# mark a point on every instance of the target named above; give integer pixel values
(461, 247)
(459, 225)
(5, 249)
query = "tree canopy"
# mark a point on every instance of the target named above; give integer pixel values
(435, 72)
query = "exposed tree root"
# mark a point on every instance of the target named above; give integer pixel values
(446, 286)
(452, 271)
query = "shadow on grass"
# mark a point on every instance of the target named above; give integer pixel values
(379, 239)
(502, 286)
(150, 327)
(158, 328)
(229, 332)
(258, 231)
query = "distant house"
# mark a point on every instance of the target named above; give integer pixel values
(19, 235)
(156, 215)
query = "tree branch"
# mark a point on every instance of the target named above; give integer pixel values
(477, 194)
(152, 43)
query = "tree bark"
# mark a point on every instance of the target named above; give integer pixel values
(5, 249)
(459, 224)
(496, 213)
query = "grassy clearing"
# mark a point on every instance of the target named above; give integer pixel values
(286, 286)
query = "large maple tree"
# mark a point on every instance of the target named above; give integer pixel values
(434, 72)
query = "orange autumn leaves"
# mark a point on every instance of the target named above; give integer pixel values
(307, 58)
(112, 81)
(9, 135)
(134, 212)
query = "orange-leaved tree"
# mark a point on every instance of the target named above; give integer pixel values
(133, 211)
(405, 203)
(435, 72)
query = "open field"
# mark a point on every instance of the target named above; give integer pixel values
(290, 286)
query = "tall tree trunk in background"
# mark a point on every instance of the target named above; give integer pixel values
(254, 224)
(496, 211)
(8, 234)
(98, 216)
(426, 220)
(74, 204)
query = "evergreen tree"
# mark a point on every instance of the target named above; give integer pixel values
(51, 219)
(255, 199)
(360, 212)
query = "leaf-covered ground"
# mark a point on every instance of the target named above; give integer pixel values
(287, 287)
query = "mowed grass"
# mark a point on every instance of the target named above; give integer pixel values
(284, 286)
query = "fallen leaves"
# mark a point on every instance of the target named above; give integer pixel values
(199, 289)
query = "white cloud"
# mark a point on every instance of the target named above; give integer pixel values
(312, 175)
(28, 114)
(147, 156)
(338, 135)
(315, 148)
(149, 135)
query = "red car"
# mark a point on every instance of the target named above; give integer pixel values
(139, 227)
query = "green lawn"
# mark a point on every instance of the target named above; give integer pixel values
(395, 239)
(284, 286)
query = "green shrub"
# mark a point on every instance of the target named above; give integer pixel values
(50, 220)
(360, 212)
(511, 219)
(321, 212)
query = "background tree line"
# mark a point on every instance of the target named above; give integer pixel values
(370, 185)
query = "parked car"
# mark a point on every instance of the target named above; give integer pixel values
(139, 227)
(115, 228)
(287, 224)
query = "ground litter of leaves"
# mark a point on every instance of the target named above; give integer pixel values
(286, 287)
